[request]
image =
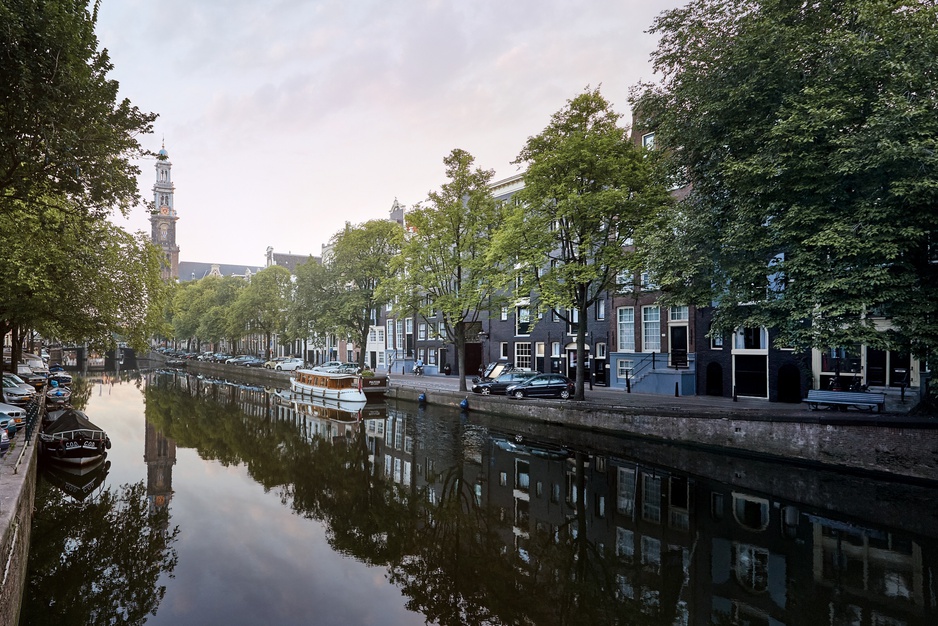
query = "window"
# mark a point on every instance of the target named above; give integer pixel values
(626, 330)
(679, 314)
(555, 349)
(409, 322)
(651, 329)
(441, 331)
(503, 351)
(648, 284)
(751, 339)
(651, 498)
(648, 141)
(601, 309)
(523, 354)
(716, 340)
(422, 331)
(539, 349)
(600, 351)
(504, 315)
(625, 500)
(625, 282)
(431, 356)
(522, 320)
(390, 325)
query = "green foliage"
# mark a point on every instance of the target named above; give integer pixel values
(67, 148)
(315, 290)
(808, 133)
(359, 263)
(62, 129)
(444, 265)
(588, 192)
(262, 304)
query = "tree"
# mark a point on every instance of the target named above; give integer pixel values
(262, 304)
(63, 132)
(443, 266)
(360, 262)
(588, 190)
(67, 152)
(309, 314)
(808, 134)
(77, 279)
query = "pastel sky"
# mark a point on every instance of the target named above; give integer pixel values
(284, 119)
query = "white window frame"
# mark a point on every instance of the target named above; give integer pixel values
(523, 356)
(625, 328)
(651, 329)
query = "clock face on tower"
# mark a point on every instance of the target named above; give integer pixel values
(164, 210)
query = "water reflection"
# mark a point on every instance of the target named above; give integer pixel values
(482, 521)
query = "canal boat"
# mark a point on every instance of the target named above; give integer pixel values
(58, 396)
(337, 385)
(73, 439)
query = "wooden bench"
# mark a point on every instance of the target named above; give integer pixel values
(859, 399)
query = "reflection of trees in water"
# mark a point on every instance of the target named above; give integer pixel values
(455, 559)
(103, 557)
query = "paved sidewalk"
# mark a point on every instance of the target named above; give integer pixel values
(895, 406)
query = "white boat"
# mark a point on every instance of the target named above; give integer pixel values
(332, 385)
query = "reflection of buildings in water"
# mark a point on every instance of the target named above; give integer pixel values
(160, 456)
(701, 548)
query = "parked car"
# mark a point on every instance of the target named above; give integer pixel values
(328, 366)
(36, 381)
(493, 370)
(4, 441)
(543, 386)
(17, 414)
(498, 385)
(19, 381)
(234, 360)
(14, 394)
(289, 364)
(251, 361)
(272, 363)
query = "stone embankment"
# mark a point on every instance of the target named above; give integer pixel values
(17, 497)
(891, 443)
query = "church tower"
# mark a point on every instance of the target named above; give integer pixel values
(163, 216)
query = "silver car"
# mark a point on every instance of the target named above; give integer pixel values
(15, 394)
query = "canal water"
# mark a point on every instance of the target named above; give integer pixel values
(226, 503)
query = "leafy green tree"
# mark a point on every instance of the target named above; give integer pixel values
(67, 153)
(63, 131)
(588, 190)
(360, 261)
(808, 134)
(309, 314)
(262, 304)
(443, 265)
(78, 279)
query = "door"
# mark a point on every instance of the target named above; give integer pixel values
(678, 346)
(899, 369)
(875, 367)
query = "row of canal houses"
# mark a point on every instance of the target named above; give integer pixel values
(635, 344)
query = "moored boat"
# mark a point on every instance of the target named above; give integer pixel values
(74, 439)
(334, 385)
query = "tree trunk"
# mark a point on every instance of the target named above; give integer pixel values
(582, 311)
(459, 339)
